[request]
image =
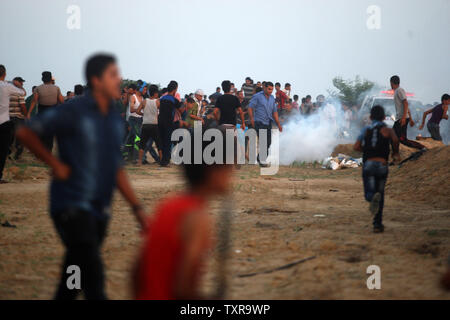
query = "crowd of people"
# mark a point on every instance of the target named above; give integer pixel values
(102, 124)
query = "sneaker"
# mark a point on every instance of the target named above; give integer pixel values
(378, 229)
(375, 203)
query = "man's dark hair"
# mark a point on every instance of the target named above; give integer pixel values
(218, 89)
(34, 87)
(258, 89)
(295, 97)
(172, 86)
(377, 113)
(277, 84)
(46, 76)
(133, 86)
(395, 79)
(287, 85)
(303, 100)
(190, 100)
(152, 90)
(308, 96)
(163, 91)
(445, 97)
(268, 84)
(226, 86)
(2, 70)
(96, 66)
(78, 89)
(196, 174)
(68, 92)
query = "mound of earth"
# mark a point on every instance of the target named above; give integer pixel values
(346, 149)
(405, 151)
(423, 180)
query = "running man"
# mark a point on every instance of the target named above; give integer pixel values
(374, 141)
(89, 132)
(180, 235)
(403, 115)
(438, 113)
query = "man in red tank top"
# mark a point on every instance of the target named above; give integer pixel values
(179, 237)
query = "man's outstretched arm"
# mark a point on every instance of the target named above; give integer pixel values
(126, 190)
(31, 140)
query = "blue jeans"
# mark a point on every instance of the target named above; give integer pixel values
(375, 175)
(149, 148)
(434, 130)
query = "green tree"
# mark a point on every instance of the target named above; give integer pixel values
(350, 92)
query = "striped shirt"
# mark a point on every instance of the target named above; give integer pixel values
(248, 90)
(15, 103)
(6, 90)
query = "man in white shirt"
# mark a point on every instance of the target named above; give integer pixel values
(198, 97)
(402, 119)
(6, 126)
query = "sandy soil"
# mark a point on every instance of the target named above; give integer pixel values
(302, 211)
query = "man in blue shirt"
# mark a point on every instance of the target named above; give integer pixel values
(262, 111)
(89, 131)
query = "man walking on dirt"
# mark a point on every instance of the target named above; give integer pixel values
(402, 109)
(89, 132)
(262, 111)
(374, 141)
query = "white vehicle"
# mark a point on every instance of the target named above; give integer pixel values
(386, 100)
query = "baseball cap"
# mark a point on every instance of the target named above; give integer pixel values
(20, 79)
(199, 92)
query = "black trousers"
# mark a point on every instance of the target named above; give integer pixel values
(165, 134)
(46, 140)
(6, 132)
(149, 131)
(17, 122)
(82, 235)
(266, 132)
(402, 134)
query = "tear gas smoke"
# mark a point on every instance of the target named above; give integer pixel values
(313, 137)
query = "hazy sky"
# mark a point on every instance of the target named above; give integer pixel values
(199, 43)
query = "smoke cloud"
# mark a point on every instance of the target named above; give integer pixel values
(313, 138)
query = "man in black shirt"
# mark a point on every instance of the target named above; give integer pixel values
(226, 107)
(167, 109)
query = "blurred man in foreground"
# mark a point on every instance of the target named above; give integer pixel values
(89, 131)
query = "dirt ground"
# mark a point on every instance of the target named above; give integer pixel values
(303, 211)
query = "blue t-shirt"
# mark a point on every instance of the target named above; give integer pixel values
(263, 108)
(89, 142)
